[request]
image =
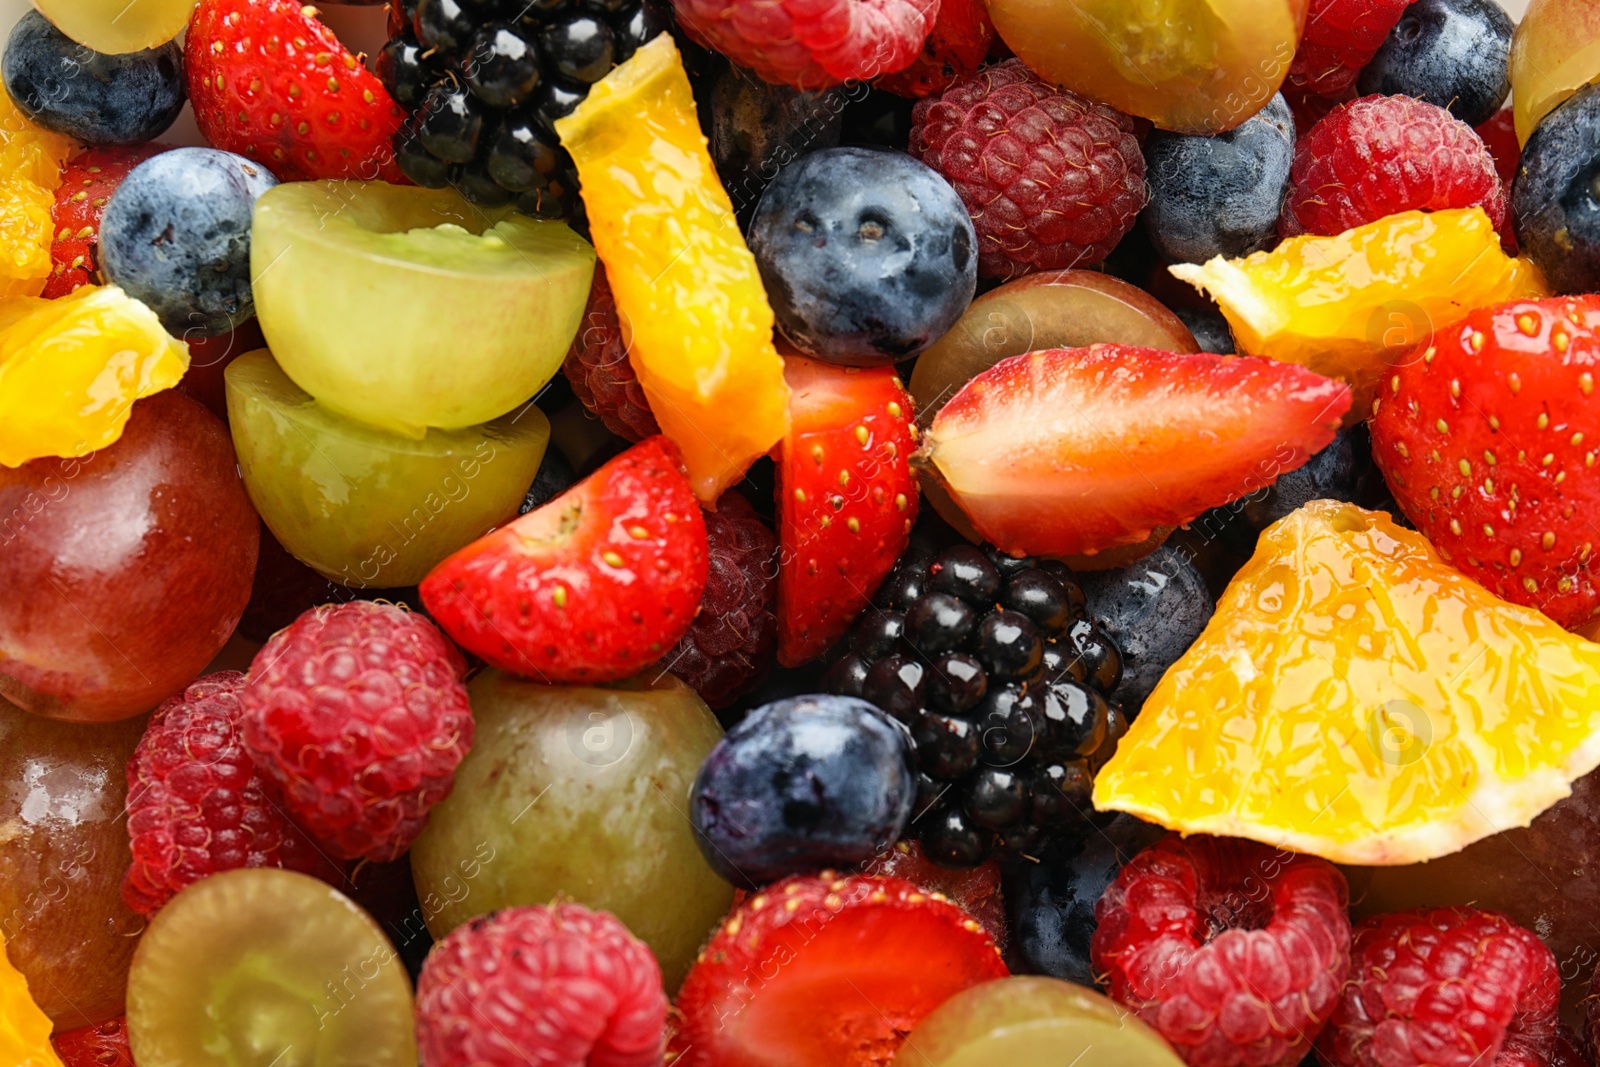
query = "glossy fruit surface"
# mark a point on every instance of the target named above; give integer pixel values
(267, 968)
(1385, 713)
(363, 506)
(30, 172)
(75, 253)
(1027, 1021)
(1555, 51)
(578, 792)
(105, 1045)
(1553, 203)
(1050, 309)
(126, 569)
(112, 26)
(1186, 65)
(24, 1029)
(62, 858)
(72, 368)
(1452, 53)
(686, 286)
(363, 289)
(1346, 306)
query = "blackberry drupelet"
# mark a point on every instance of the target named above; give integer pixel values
(485, 81)
(1003, 681)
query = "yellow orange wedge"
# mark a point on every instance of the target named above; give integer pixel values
(1356, 698)
(30, 172)
(693, 310)
(24, 1028)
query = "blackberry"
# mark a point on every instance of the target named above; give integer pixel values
(1003, 680)
(485, 81)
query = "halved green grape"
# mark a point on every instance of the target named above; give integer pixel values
(408, 308)
(364, 506)
(582, 793)
(1033, 1022)
(1554, 53)
(116, 26)
(267, 968)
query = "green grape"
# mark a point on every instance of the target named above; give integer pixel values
(581, 793)
(363, 506)
(116, 26)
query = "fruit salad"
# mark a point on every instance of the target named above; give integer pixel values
(800, 533)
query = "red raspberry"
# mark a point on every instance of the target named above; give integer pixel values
(1448, 987)
(102, 1045)
(1341, 37)
(1234, 951)
(358, 712)
(730, 644)
(1383, 154)
(1052, 180)
(196, 803)
(812, 44)
(598, 368)
(557, 985)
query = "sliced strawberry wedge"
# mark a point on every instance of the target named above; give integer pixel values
(1070, 451)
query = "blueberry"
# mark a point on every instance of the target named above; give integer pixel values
(98, 99)
(1153, 610)
(1219, 196)
(756, 127)
(176, 235)
(555, 476)
(868, 256)
(1341, 471)
(1453, 53)
(1555, 203)
(1211, 331)
(813, 781)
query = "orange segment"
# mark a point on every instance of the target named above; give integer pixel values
(71, 369)
(692, 307)
(30, 172)
(1346, 306)
(24, 1028)
(1356, 698)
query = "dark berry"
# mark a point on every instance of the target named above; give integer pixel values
(965, 572)
(503, 68)
(876, 634)
(757, 127)
(947, 747)
(1061, 662)
(1453, 53)
(929, 792)
(903, 586)
(1041, 597)
(1102, 660)
(1059, 793)
(1072, 720)
(957, 684)
(938, 622)
(1009, 566)
(1069, 581)
(421, 165)
(1210, 330)
(638, 27)
(1341, 471)
(477, 187)
(554, 100)
(407, 75)
(447, 25)
(1022, 839)
(951, 839)
(1153, 610)
(555, 477)
(995, 797)
(1008, 644)
(522, 155)
(1555, 203)
(847, 676)
(581, 49)
(1008, 719)
(895, 684)
(1116, 730)
(450, 123)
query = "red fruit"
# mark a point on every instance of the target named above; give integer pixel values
(954, 50)
(598, 368)
(1380, 155)
(1499, 136)
(104, 1045)
(557, 985)
(1051, 179)
(729, 646)
(976, 890)
(591, 587)
(1341, 37)
(272, 83)
(826, 971)
(1070, 451)
(1488, 440)
(811, 44)
(209, 358)
(1235, 952)
(87, 182)
(846, 498)
(1448, 987)
(358, 712)
(197, 804)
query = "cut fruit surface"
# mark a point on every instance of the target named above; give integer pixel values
(30, 173)
(267, 968)
(1554, 53)
(71, 369)
(1347, 306)
(688, 294)
(1356, 698)
(24, 1028)
(1075, 450)
(116, 26)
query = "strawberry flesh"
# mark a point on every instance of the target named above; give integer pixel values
(87, 182)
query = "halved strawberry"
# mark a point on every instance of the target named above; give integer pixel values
(826, 971)
(955, 48)
(87, 182)
(592, 586)
(272, 83)
(846, 498)
(1069, 451)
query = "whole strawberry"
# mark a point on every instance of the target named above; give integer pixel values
(270, 82)
(1052, 180)
(87, 182)
(358, 712)
(1488, 437)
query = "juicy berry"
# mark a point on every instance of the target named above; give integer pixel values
(176, 235)
(1555, 207)
(93, 98)
(598, 368)
(1453, 53)
(1342, 471)
(550, 985)
(1381, 155)
(358, 713)
(867, 256)
(1052, 180)
(756, 128)
(1233, 951)
(1340, 38)
(957, 47)
(87, 182)
(800, 784)
(1153, 610)
(102, 1045)
(1219, 196)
